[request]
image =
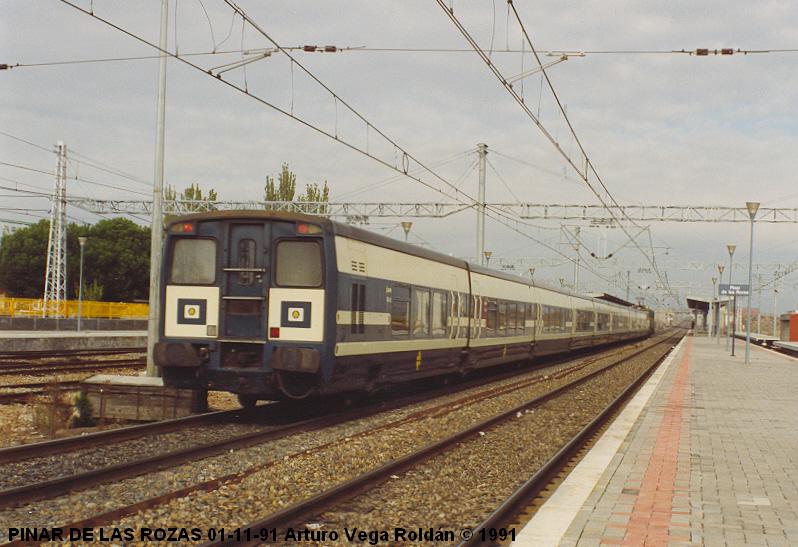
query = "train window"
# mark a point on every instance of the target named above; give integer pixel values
(465, 312)
(502, 317)
(298, 264)
(555, 319)
(490, 313)
(439, 313)
(512, 317)
(193, 261)
(584, 321)
(531, 315)
(246, 259)
(603, 321)
(520, 319)
(400, 311)
(420, 312)
(358, 308)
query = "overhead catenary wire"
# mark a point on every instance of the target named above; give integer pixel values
(367, 49)
(89, 181)
(406, 158)
(75, 156)
(501, 179)
(588, 167)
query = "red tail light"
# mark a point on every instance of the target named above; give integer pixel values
(274, 332)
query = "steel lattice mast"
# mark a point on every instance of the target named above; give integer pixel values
(55, 278)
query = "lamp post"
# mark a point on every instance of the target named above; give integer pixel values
(731, 249)
(406, 225)
(721, 267)
(532, 274)
(775, 313)
(487, 255)
(753, 207)
(82, 241)
(711, 311)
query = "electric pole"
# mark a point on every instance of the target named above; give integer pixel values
(577, 231)
(156, 238)
(482, 150)
(55, 278)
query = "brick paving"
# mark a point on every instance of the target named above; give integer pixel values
(712, 460)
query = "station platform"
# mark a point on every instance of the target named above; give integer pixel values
(757, 338)
(789, 346)
(20, 340)
(706, 453)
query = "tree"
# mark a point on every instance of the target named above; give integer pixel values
(116, 260)
(23, 260)
(193, 193)
(314, 194)
(285, 188)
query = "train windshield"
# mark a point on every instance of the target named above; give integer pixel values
(193, 261)
(298, 264)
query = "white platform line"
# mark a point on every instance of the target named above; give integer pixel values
(550, 523)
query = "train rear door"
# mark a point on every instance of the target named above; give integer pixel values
(244, 286)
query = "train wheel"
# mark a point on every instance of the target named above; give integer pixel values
(247, 401)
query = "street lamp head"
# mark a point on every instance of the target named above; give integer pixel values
(753, 207)
(406, 225)
(488, 254)
(731, 248)
(82, 240)
(721, 267)
(714, 280)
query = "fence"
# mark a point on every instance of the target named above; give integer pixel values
(31, 307)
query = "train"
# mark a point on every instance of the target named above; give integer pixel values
(273, 305)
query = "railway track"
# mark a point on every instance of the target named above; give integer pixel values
(15, 369)
(60, 485)
(34, 389)
(6, 356)
(252, 533)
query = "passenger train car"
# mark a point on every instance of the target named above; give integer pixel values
(273, 305)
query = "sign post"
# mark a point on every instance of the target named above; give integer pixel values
(734, 290)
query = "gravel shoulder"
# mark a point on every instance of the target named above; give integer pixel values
(264, 478)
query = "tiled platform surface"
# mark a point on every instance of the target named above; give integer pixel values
(712, 459)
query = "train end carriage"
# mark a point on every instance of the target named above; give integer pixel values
(273, 305)
(246, 300)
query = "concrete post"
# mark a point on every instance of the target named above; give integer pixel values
(482, 150)
(156, 237)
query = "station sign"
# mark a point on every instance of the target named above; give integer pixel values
(727, 289)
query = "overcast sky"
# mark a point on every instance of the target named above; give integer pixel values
(660, 128)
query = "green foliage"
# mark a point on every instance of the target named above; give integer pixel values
(314, 194)
(193, 192)
(23, 260)
(285, 188)
(93, 291)
(81, 416)
(116, 259)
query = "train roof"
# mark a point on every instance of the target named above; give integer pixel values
(366, 236)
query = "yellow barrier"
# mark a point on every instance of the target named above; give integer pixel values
(31, 307)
